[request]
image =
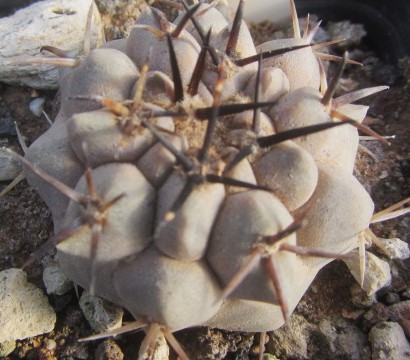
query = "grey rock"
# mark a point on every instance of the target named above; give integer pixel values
(101, 314)
(7, 125)
(290, 341)
(75, 350)
(24, 310)
(406, 294)
(377, 272)
(343, 338)
(108, 350)
(400, 312)
(375, 315)
(9, 167)
(359, 297)
(55, 281)
(392, 298)
(389, 342)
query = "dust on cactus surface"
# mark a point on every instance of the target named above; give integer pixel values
(221, 184)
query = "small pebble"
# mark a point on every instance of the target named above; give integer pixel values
(392, 298)
(50, 344)
(395, 248)
(377, 313)
(406, 294)
(55, 281)
(7, 125)
(377, 272)
(291, 340)
(400, 312)
(101, 314)
(359, 297)
(9, 167)
(388, 342)
(269, 357)
(384, 174)
(36, 106)
(108, 350)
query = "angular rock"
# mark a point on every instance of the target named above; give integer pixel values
(24, 309)
(55, 281)
(101, 314)
(376, 275)
(344, 339)
(59, 23)
(161, 350)
(7, 347)
(389, 342)
(108, 350)
(400, 312)
(395, 248)
(291, 340)
(359, 297)
(9, 167)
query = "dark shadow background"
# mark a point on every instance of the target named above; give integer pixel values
(387, 21)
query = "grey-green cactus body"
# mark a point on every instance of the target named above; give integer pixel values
(170, 262)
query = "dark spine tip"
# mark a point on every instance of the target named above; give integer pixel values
(269, 54)
(199, 67)
(275, 139)
(188, 15)
(202, 35)
(210, 130)
(230, 109)
(212, 178)
(236, 26)
(176, 74)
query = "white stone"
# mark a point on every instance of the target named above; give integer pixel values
(395, 248)
(377, 272)
(161, 350)
(57, 23)
(101, 314)
(7, 347)
(24, 309)
(36, 106)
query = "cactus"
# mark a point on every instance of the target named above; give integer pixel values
(196, 179)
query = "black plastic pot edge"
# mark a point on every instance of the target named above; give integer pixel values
(387, 22)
